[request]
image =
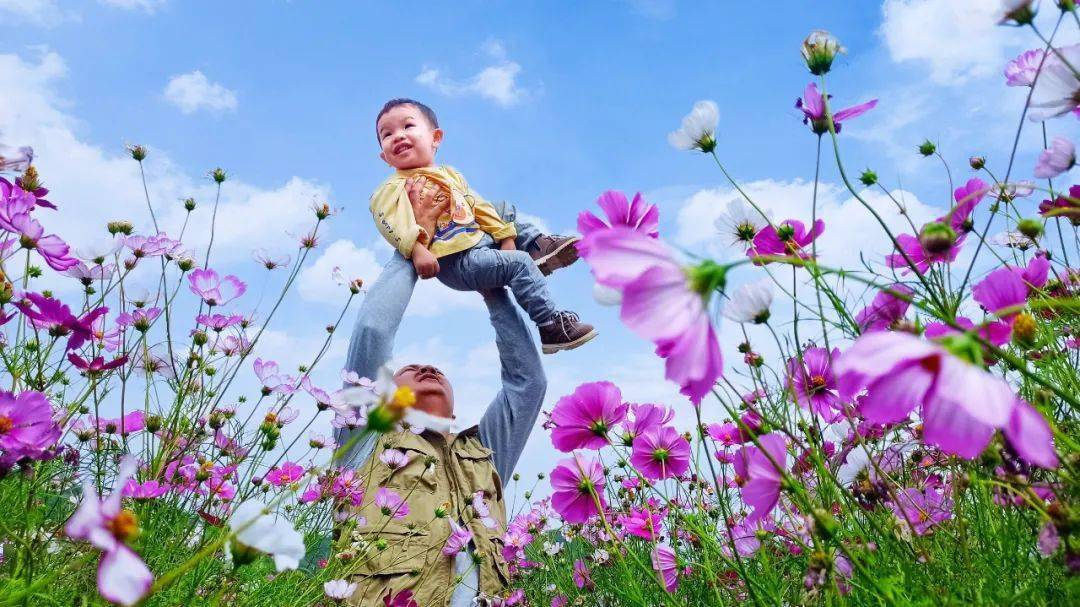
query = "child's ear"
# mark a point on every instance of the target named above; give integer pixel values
(382, 155)
(436, 138)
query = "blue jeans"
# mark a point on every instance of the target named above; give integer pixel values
(485, 266)
(380, 315)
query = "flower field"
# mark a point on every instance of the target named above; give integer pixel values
(908, 437)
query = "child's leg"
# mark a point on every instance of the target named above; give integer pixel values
(372, 342)
(526, 232)
(483, 267)
(549, 252)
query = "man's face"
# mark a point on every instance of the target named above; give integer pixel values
(433, 392)
(407, 139)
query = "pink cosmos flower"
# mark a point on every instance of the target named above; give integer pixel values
(1056, 159)
(1021, 71)
(813, 108)
(394, 459)
(272, 379)
(757, 476)
(661, 303)
(218, 322)
(746, 537)
(400, 599)
(144, 491)
(574, 482)
(287, 473)
(666, 565)
(140, 318)
(1030, 436)
(1063, 206)
(47, 313)
(997, 332)
(813, 384)
(637, 215)
(483, 512)
(1056, 91)
(922, 509)
(967, 197)
(643, 417)
(132, 422)
(348, 486)
(1036, 273)
(51, 247)
(961, 404)
(458, 539)
(213, 289)
(885, 311)
(122, 577)
(26, 424)
(96, 366)
(1002, 292)
(390, 503)
(88, 275)
(643, 523)
(581, 576)
(790, 237)
(920, 257)
(582, 419)
(661, 453)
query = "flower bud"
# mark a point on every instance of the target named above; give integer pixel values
(153, 423)
(868, 177)
(138, 152)
(819, 50)
(355, 285)
(185, 264)
(937, 238)
(218, 175)
(977, 162)
(189, 204)
(1032, 228)
(30, 181)
(1067, 6)
(120, 227)
(1017, 12)
(927, 148)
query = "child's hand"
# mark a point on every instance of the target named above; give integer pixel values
(426, 264)
(507, 244)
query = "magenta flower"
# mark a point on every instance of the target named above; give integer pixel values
(1021, 71)
(458, 539)
(1036, 273)
(390, 503)
(52, 248)
(661, 453)
(921, 257)
(348, 486)
(26, 424)
(757, 477)
(813, 384)
(14, 201)
(661, 301)
(47, 313)
(1030, 436)
(219, 322)
(583, 419)
(637, 215)
(1002, 292)
(813, 108)
(885, 311)
(286, 474)
(272, 379)
(122, 577)
(96, 366)
(1063, 206)
(144, 491)
(132, 422)
(642, 418)
(140, 318)
(790, 237)
(1056, 159)
(215, 290)
(967, 197)
(996, 332)
(577, 484)
(666, 565)
(581, 576)
(643, 523)
(961, 404)
(922, 510)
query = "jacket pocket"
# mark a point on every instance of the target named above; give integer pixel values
(396, 567)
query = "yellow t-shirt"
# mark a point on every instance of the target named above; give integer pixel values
(460, 227)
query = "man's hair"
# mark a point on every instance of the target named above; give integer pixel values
(393, 103)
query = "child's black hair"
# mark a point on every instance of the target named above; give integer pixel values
(393, 103)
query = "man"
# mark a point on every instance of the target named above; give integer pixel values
(449, 479)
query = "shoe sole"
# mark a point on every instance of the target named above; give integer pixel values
(570, 345)
(565, 255)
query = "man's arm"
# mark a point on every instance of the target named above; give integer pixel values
(372, 342)
(509, 419)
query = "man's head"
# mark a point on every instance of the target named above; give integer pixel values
(433, 392)
(408, 134)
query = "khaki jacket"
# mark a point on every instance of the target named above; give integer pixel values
(406, 553)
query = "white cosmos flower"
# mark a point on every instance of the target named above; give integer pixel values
(1058, 88)
(741, 222)
(698, 130)
(255, 528)
(750, 302)
(606, 296)
(339, 589)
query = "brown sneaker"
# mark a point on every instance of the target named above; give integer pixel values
(554, 252)
(565, 333)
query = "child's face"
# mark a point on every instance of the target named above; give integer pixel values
(407, 139)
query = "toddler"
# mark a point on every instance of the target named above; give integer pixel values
(462, 239)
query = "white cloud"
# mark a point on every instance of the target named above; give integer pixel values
(37, 12)
(193, 91)
(82, 175)
(148, 6)
(957, 39)
(496, 82)
(850, 230)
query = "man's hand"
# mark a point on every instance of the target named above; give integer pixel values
(427, 202)
(426, 264)
(507, 244)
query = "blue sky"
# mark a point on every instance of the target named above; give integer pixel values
(544, 104)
